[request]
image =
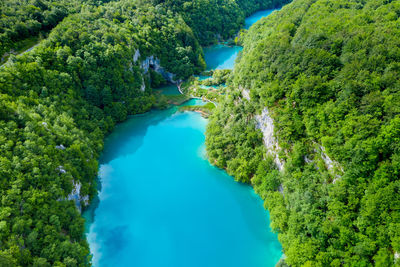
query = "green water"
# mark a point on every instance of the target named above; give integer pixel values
(170, 89)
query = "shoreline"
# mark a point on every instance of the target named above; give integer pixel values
(172, 105)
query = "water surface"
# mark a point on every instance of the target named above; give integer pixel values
(163, 204)
(221, 56)
(257, 16)
(169, 89)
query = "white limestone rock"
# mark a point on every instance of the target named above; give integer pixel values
(266, 125)
(136, 56)
(61, 147)
(331, 165)
(61, 169)
(246, 94)
(75, 195)
(154, 63)
(143, 86)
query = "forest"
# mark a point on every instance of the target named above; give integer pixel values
(22, 22)
(59, 101)
(327, 74)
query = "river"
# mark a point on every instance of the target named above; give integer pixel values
(161, 203)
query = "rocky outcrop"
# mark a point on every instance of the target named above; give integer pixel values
(266, 125)
(246, 94)
(136, 56)
(75, 195)
(154, 63)
(61, 147)
(143, 86)
(331, 165)
(61, 169)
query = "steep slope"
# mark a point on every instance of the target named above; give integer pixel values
(213, 20)
(321, 80)
(56, 105)
(22, 21)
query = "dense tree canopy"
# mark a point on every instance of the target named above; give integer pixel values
(213, 20)
(68, 94)
(59, 101)
(328, 71)
(23, 19)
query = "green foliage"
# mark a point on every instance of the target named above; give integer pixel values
(21, 20)
(328, 73)
(216, 20)
(58, 102)
(204, 110)
(157, 79)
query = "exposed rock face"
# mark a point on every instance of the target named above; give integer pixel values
(60, 147)
(143, 86)
(61, 169)
(266, 125)
(136, 56)
(75, 195)
(154, 63)
(246, 94)
(281, 190)
(330, 164)
(326, 158)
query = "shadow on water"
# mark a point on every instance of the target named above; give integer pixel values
(257, 16)
(169, 89)
(221, 56)
(133, 130)
(167, 219)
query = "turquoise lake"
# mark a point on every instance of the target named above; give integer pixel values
(161, 203)
(170, 89)
(256, 17)
(221, 56)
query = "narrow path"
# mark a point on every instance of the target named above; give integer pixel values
(20, 54)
